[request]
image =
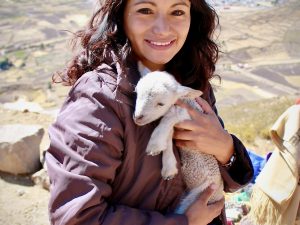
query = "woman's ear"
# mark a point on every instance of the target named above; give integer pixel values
(186, 92)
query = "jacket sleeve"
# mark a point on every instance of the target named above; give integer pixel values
(241, 171)
(86, 149)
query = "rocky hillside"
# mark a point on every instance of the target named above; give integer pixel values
(259, 66)
(261, 53)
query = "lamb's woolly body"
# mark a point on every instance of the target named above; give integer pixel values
(199, 170)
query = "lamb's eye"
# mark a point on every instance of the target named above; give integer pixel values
(160, 104)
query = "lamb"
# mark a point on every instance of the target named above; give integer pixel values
(157, 93)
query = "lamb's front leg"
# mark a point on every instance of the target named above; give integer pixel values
(169, 167)
(159, 139)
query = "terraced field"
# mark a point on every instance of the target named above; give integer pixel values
(259, 66)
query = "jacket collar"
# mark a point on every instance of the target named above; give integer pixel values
(143, 70)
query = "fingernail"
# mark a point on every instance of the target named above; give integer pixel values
(213, 186)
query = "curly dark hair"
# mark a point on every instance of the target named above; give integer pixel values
(193, 65)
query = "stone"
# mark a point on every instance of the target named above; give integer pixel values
(20, 148)
(41, 178)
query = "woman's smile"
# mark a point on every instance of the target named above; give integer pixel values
(157, 29)
(160, 45)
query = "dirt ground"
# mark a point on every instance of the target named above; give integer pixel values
(260, 61)
(22, 202)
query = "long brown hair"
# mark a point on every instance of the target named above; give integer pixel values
(193, 65)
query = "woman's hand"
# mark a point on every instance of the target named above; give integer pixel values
(200, 213)
(204, 132)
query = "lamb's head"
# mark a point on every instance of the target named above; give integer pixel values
(156, 93)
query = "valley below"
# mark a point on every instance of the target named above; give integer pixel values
(259, 65)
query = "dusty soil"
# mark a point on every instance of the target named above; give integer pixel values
(21, 201)
(260, 61)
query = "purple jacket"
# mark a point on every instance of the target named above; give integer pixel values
(97, 164)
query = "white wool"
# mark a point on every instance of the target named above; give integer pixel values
(157, 93)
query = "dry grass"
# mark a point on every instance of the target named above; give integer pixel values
(253, 120)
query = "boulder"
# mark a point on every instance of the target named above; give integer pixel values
(20, 148)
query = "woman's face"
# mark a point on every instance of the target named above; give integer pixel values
(157, 29)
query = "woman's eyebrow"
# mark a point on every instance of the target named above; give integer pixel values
(180, 3)
(152, 3)
(144, 2)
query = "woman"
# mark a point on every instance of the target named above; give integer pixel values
(96, 161)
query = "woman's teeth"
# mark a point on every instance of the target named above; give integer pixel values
(160, 43)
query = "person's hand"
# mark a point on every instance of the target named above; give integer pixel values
(200, 213)
(204, 132)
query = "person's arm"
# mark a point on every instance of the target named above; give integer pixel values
(241, 171)
(86, 150)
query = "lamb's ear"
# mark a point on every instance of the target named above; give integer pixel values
(186, 92)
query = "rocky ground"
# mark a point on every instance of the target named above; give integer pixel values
(260, 61)
(261, 56)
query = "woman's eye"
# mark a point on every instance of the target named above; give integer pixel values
(178, 13)
(160, 104)
(145, 11)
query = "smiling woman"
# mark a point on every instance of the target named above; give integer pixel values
(96, 161)
(157, 30)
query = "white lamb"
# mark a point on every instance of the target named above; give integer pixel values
(157, 93)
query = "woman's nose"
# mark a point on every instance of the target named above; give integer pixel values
(161, 25)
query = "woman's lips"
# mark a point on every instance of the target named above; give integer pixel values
(160, 45)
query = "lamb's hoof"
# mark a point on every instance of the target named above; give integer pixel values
(168, 178)
(169, 174)
(154, 150)
(153, 153)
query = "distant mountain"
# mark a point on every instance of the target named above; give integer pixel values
(251, 3)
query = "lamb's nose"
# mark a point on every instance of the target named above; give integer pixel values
(138, 118)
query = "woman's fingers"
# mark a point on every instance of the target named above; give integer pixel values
(202, 213)
(207, 193)
(217, 206)
(196, 114)
(183, 134)
(193, 112)
(204, 132)
(204, 105)
(187, 125)
(186, 144)
(182, 104)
